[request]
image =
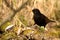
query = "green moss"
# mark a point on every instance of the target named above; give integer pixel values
(54, 34)
(7, 36)
(4, 26)
(42, 28)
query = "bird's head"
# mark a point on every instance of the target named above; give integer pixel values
(36, 11)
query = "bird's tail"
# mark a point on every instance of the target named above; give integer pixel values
(52, 21)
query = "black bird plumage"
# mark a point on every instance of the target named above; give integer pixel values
(39, 18)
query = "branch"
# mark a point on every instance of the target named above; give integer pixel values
(10, 6)
(19, 9)
(15, 11)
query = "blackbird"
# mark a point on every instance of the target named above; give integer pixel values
(39, 18)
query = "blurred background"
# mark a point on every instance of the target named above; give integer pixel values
(17, 23)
